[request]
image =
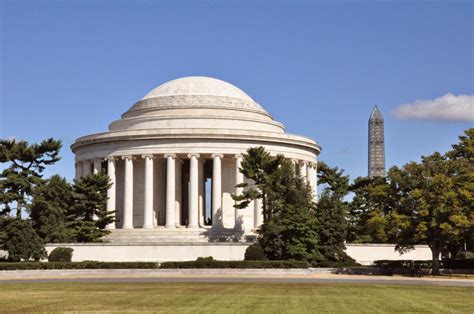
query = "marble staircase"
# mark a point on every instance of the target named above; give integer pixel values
(178, 235)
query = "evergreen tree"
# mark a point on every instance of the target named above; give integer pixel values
(288, 229)
(24, 167)
(258, 166)
(21, 241)
(89, 201)
(331, 213)
(49, 210)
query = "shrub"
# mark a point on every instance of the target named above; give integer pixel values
(235, 264)
(465, 255)
(22, 242)
(444, 264)
(61, 254)
(255, 253)
(76, 265)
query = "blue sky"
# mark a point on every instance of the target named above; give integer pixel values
(69, 68)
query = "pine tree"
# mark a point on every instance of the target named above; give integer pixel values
(25, 165)
(288, 229)
(331, 213)
(49, 210)
(21, 241)
(90, 200)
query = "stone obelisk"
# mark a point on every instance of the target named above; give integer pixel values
(376, 144)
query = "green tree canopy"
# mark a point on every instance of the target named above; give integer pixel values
(369, 210)
(23, 172)
(49, 210)
(430, 207)
(89, 202)
(288, 229)
(331, 214)
(21, 241)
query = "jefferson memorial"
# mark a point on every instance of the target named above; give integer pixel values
(173, 159)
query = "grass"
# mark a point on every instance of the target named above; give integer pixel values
(233, 298)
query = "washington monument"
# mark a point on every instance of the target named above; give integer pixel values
(376, 144)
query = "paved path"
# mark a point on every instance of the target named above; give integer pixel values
(215, 275)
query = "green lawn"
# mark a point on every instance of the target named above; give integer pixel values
(232, 298)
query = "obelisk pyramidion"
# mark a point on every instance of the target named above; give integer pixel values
(376, 144)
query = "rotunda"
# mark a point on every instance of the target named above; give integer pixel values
(174, 158)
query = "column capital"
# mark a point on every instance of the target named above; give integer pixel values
(303, 162)
(238, 156)
(193, 155)
(150, 156)
(109, 158)
(170, 155)
(217, 155)
(128, 157)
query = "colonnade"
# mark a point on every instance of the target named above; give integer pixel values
(85, 167)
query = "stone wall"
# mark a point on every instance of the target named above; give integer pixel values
(364, 254)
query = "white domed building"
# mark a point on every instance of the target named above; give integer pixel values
(173, 158)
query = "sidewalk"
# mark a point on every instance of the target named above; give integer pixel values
(215, 275)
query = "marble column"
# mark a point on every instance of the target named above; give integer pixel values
(217, 214)
(79, 171)
(148, 206)
(239, 179)
(193, 191)
(128, 193)
(170, 190)
(315, 167)
(97, 166)
(258, 212)
(202, 192)
(111, 191)
(86, 168)
(303, 171)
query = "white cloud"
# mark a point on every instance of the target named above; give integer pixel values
(448, 107)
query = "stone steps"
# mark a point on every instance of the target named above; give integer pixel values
(163, 235)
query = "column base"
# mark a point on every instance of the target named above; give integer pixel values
(148, 227)
(193, 227)
(170, 226)
(127, 227)
(110, 227)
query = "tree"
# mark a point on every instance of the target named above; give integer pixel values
(89, 201)
(369, 210)
(462, 154)
(288, 229)
(434, 204)
(331, 213)
(258, 166)
(49, 210)
(21, 241)
(24, 172)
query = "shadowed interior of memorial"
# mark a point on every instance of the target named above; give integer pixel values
(174, 160)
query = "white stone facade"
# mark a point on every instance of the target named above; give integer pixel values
(364, 254)
(174, 156)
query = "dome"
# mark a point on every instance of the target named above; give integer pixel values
(198, 86)
(197, 102)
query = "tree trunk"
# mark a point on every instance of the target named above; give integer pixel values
(18, 210)
(435, 261)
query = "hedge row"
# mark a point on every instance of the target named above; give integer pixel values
(235, 264)
(76, 265)
(444, 264)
